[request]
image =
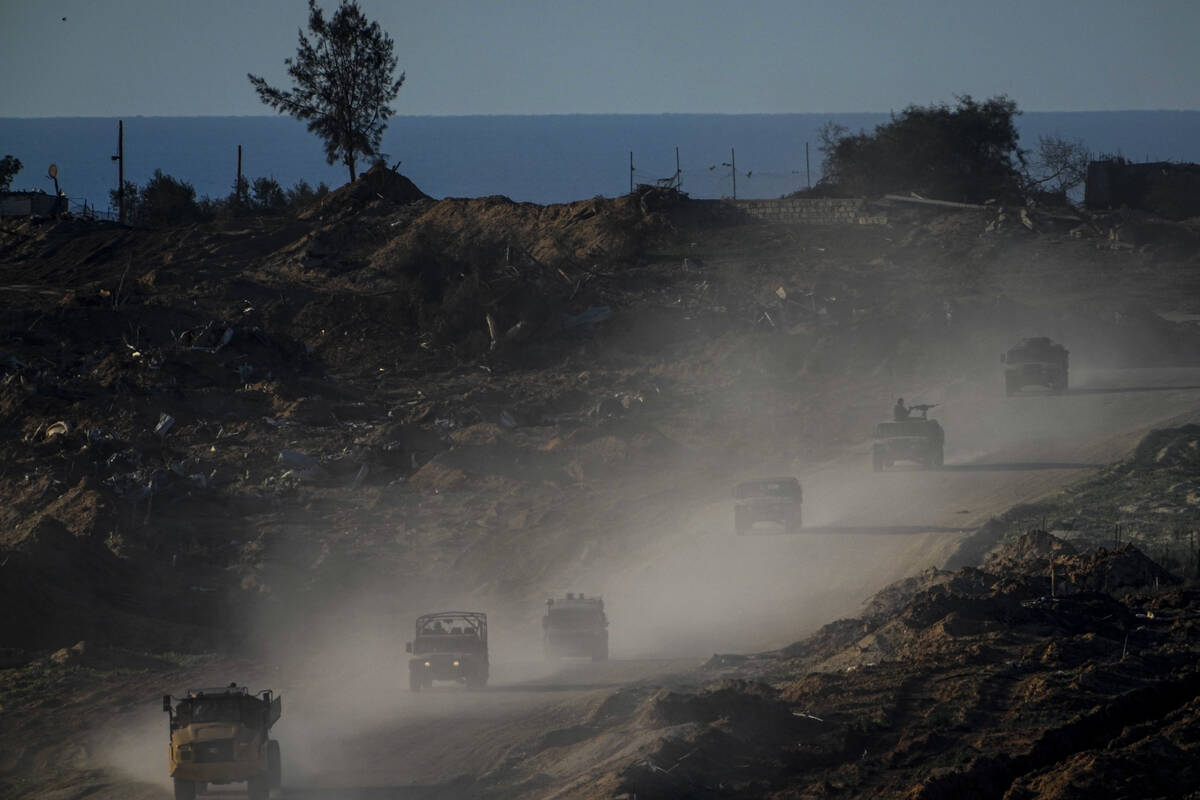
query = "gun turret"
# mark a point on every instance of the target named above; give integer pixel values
(922, 409)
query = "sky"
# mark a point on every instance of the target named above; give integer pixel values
(191, 57)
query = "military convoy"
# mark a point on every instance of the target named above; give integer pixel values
(449, 646)
(575, 627)
(1036, 361)
(775, 501)
(223, 736)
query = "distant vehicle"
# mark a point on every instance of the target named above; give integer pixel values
(772, 500)
(449, 646)
(1036, 361)
(575, 627)
(223, 736)
(915, 438)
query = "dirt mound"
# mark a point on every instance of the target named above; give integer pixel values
(377, 183)
(1172, 447)
(967, 683)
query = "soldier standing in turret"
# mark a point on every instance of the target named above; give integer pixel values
(900, 411)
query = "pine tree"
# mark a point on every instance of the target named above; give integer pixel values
(343, 82)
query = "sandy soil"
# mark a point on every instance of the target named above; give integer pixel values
(351, 443)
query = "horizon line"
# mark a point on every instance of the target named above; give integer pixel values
(598, 114)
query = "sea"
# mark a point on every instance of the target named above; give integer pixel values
(540, 159)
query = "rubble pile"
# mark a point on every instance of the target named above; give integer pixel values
(980, 682)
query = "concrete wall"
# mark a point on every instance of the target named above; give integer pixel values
(1163, 188)
(30, 204)
(813, 211)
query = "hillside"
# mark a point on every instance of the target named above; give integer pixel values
(254, 444)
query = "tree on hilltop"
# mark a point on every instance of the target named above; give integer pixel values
(967, 153)
(9, 167)
(343, 82)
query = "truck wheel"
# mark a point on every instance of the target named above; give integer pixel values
(414, 682)
(1010, 387)
(939, 458)
(258, 788)
(477, 682)
(877, 462)
(274, 765)
(185, 790)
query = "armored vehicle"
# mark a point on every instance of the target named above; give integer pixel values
(1035, 362)
(449, 646)
(772, 500)
(912, 438)
(223, 736)
(575, 627)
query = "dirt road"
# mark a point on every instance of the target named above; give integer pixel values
(702, 590)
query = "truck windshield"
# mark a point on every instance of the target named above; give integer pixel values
(885, 430)
(216, 709)
(767, 489)
(446, 643)
(574, 617)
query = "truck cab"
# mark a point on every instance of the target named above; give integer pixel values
(776, 501)
(1036, 361)
(919, 440)
(575, 626)
(222, 735)
(449, 646)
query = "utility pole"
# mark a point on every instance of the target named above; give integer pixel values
(733, 170)
(807, 166)
(631, 172)
(678, 174)
(237, 184)
(120, 159)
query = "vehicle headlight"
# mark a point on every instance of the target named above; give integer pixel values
(428, 664)
(455, 664)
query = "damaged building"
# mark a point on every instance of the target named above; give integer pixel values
(1166, 189)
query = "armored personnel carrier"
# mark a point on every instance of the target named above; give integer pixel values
(1036, 361)
(914, 438)
(449, 646)
(775, 501)
(223, 736)
(575, 627)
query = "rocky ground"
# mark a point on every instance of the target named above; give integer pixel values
(1047, 671)
(217, 438)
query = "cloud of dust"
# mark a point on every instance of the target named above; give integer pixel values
(135, 744)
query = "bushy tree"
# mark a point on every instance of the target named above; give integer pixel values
(343, 80)
(302, 194)
(165, 200)
(10, 166)
(267, 195)
(966, 153)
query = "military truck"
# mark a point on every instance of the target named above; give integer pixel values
(449, 646)
(223, 736)
(775, 501)
(575, 627)
(913, 438)
(1036, 361)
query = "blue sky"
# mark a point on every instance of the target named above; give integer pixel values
(190, 57)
